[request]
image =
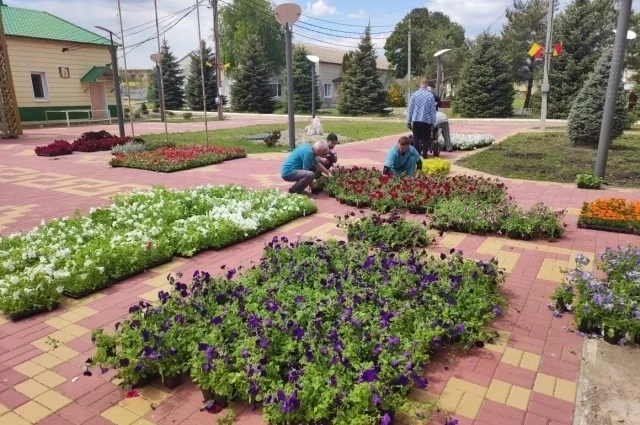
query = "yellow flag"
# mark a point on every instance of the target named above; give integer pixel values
(535, 50)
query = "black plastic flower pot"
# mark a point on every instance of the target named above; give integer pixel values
(636, 340)
(172, 381)
(561, 306)
(207, 394)
(220, 400)
(614, 337)
(145, 380)
(585, 326)
(342, 201)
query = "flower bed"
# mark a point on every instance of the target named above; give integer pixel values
(394, 231)
(435, 166)
(78, 255)
(317, 332)
(139, 145)
(461, 203)
(94, 145)
(168, 160)
(610, 307)
(612, 214)
(57, 148)
(469, 142)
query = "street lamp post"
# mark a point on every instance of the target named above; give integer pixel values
(438, 56)
(617, 62)
(288, 14)
(113, 48)
(314, 59)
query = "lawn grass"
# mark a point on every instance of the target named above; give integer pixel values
(237, 137)
(552, 157)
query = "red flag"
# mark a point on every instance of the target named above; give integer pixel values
(557, 49)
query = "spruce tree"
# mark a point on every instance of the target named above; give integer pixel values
(585, 27)
(362, 91)
(193, 90)
(251, 91)
(172, 78)
(302, 68)
(585, 117)
(486, 87)
(152, 89)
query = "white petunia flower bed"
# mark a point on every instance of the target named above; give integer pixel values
(468, 142)
(79, 255)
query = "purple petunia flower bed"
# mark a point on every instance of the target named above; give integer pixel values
(318, 332)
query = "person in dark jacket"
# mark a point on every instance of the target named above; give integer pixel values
(432, 89)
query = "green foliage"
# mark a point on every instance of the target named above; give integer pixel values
(585, 118)
(430, 32)
(194, 80)
(187, 115)
(143, 107)
(395, 97)
(157, 144)
(526, 24)
(152, 90)
(251, 18)
(251, 91)
(172, 78)
(362, 91)
(347, 58)
(486, 89)
(302, 84)
(393, 232)
(272, 139)
(585, 28)
(633, 116)
(589, 181)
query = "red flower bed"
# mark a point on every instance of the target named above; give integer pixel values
(369, 187)
(167, 160)
(94, 145)
(57, 148)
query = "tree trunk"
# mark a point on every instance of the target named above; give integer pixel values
(532, 67)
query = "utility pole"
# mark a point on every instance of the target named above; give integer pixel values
(409, 63)
(160, 76)
(204, 91)
(126, 71)
(216, 41)
(10, 126)
(547, 65)
(617, 62)
(290, 105)
(116, 84)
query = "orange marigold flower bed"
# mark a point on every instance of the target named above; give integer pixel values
(614, 214)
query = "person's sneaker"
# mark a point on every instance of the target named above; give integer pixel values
(316, 190)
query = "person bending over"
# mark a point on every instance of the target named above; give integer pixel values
(331, 158)
(402, 158)
(301, 165)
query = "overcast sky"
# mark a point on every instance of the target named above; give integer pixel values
(352, 15)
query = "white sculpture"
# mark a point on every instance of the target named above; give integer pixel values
(315, 128)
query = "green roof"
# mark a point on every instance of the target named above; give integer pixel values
(37, 24)
(95, 73)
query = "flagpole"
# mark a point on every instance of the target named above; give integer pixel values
(547, 63)
(126, 71)
(204, 94)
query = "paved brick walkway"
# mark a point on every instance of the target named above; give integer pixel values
(528, 377)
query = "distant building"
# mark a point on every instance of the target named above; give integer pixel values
(138, 83)
(57, 66)
(185, 65)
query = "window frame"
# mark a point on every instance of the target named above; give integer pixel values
(278, 89)
(44, 81)
(324, 90)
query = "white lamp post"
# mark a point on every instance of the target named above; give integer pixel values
(314, 59)
(288, 14)
(439, 70)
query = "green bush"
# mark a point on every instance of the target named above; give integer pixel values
(589, 181)
(187, 115)
(585, 118)
(143, 107)
(157, 144)
(170, 113)
(633, 116)
(272, 139)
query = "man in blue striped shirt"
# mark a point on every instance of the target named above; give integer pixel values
(421, 116)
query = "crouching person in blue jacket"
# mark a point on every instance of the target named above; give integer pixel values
(403, 158)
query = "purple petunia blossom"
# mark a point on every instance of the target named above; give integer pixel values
(368, 263)
(299, 299)
(216, 320)
(368, 375)
(135, 323)
(394, 340)
(231, 273)
(333, 381)
(386, 419)
(376, 400)
(451, 421)
(272, 306)
(124, 362)
(244, 353)
(597, 298)
(179, 318)
(262, 343)
(402, 380)
(497, 311)
(298, 332)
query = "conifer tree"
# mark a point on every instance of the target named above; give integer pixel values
(172, 78)
(302, 83)
(251, 91)
(193, 89)
(362, 91)
(585, 117)
(152, 89)
(486, 88)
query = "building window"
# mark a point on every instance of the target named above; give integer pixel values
(276, 89)
(40, 88)
(328, 90)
